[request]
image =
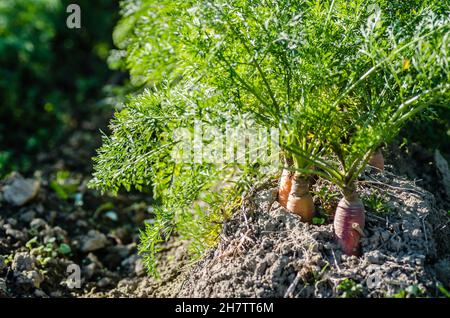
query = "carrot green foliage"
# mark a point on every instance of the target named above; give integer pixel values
(336, 78)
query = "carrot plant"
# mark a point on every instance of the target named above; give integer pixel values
(401, 70)
(269, 61)
(335, 78)
(338, 79)
(383, 70)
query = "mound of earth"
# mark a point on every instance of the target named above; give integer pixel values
(265, 251)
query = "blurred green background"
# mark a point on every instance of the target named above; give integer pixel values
(49, 74)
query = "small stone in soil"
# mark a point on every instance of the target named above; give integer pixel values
(18, 235)
(38, 224)
(18, 191)
(375, 257)
(56, 294)
(23, 262)
(139, 267)
(104, 282)
(443, 170)
(88, 271)
(11, 221)
(93, 241)
(385, 235)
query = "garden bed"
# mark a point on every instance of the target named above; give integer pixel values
(266, 251)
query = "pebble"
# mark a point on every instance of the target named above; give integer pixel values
(129, 263)
(56, 294)
(40, 208)
(89, 270)
(23, 262)
(18, 235)
(375, 257)
(112, 216)
(19, 191)
(82, 223)
(91, 258)
(139, 267)
(115, 255)
(38, 224)
(420, 260)
(93, 241)
(443, 170)
(104, 282)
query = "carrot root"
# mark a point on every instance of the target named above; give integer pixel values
(285, 187)
(377, 160)
(300, 201)
(349, 222)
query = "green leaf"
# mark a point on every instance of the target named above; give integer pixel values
(64, 249)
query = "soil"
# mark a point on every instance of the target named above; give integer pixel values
(51, 223)
(268, 252)
(265, 251)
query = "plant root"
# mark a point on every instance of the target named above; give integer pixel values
(377, 160)
(285, 187)
(349, 222)
(300, 201)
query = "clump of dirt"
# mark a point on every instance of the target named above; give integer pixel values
(266, 251)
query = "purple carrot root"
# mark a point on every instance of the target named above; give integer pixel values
(349, 223)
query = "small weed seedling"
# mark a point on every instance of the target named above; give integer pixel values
(349, 288)
(376, 203)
